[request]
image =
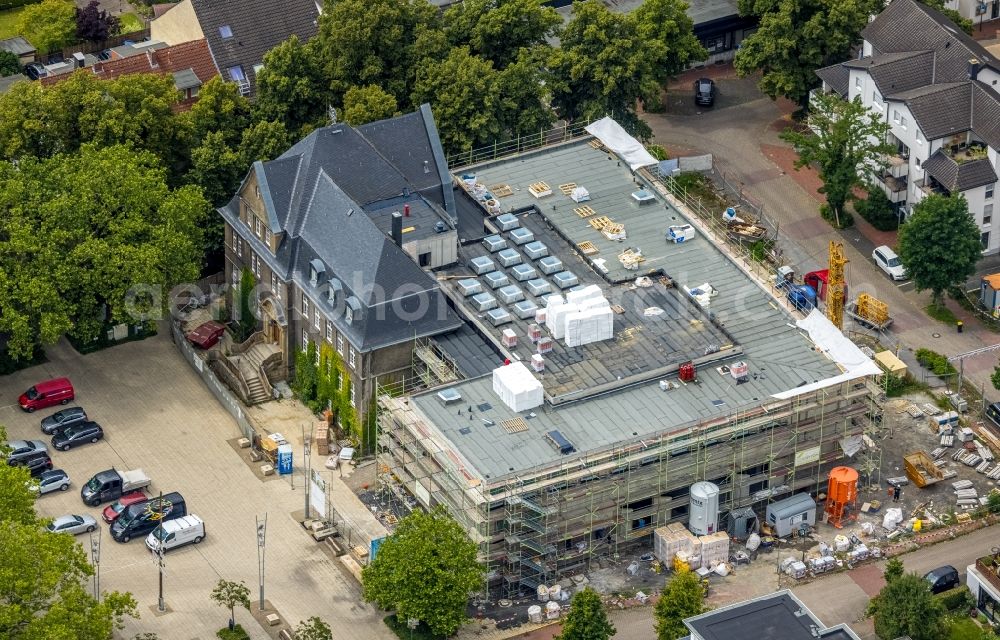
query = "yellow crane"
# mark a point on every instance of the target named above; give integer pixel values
(835, 283)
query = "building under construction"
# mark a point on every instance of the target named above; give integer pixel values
(625, 427)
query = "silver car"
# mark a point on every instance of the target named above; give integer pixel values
(22, 449)
(52, 480)
(72, 524)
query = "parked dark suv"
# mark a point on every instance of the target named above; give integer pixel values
(993, 413)
(36, 464)
(62, 419)
(942, 578)
(77, 434)
(704, 92)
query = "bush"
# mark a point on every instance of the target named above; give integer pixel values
(846, 219)
(956, 599)
(877, 209)
(13, 4)
(935, 362)
(237, 633)
(657, 152)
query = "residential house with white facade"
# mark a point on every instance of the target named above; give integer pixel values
(937, 89)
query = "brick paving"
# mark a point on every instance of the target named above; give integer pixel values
(159, 416)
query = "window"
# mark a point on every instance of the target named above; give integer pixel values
(237, 75)
(877, 100)
(239, 246)
(985, 240)
(987, 214)
(895, 116)
(857, 82)
(256, 190)
(920, 138)
(989, 191)
(274, 283)
(317, 356)
(257, 226)
(267, 236)
(317, 320)
(305, 340)
(226, 32)
(716, 44)
(305, 307)
(329, 332)
(351, 357)
(354, 400)
(340, 344)
(255, 264)
(902, 123)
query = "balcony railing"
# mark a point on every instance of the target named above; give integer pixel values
(895, 188)
(988, 567)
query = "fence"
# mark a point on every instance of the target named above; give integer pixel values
(519, 144)
(88, 46)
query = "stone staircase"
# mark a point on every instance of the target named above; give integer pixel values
(249, 365)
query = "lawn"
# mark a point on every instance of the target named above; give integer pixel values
(8, 22)
(130, 23)
(941, 314)
(962, 628)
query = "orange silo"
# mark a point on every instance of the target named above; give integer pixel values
(842, 496)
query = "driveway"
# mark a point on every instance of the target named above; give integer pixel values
(158, 416)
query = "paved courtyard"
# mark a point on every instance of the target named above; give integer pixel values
(159, 416)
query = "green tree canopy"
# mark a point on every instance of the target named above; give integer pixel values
(81, 231)
(374, 42)
(586, 619)
(216, 168)
(368, 104)
(313, 629)
(939, 245)
(682, 598)
(220, 108)
(49, 25)
(264, 140)
(17, 501)
(893, 569)
(604, 66)
(10, 64)
(795, 38)
(461, 90)
(498, 29)
(667, 23)
(847, 148)
(905, 607)
(425, 570)
(293, 87)
(230, 594)
(522, 96)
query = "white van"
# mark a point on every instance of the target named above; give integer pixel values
(176, 533)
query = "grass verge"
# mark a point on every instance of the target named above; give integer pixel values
(8, 22)
(940, 313)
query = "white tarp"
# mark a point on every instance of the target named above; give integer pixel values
(618, 140)
(517, 387)
(831, 341)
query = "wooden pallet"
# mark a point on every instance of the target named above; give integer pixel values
(567, 188)
(539, 189)
(584, 211)
(617, 308)
(600, 223)
(588, 248)
(514, 425)
(501, 190)
(597, 144)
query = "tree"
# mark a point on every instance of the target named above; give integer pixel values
(375, 42)
(293, 87)
(522, 96)
(10, 64)
(17, 501)
(604, 66)
(425, 570)
(95, 24)
(81, 232)
(216, 168)
(893, 569)
(49, 25)
(313, 629)
(499, 29)
(220, 108)
(667, 22)
(795, 38)
(265, 140)
(939, 245)
(587, 619)
(461, 90)
(231, 594)
(247, 321)
(368, 104)
(905, 607)
(682, 598)
(848, 147)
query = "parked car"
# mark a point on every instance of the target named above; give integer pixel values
(104, 55)
(72, 524)
(176, 533)
(47, 394)
(888, 261)
(115, 509)
(63, 418)
(52, 480)
(942, 578)
(36, 464)
(141, 519)
(993, 413)
(35, 70)
(206, 335)
(704, 92)
(77, 434)
(23, 449)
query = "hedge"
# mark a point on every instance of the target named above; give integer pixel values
(14, 4)
(937, 363)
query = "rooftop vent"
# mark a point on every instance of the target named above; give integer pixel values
(449, 396)
(560, 442)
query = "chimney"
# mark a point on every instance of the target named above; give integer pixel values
(974, 67)
(406, 210)
(397, 228)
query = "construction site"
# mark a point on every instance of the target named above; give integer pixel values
(635, 356)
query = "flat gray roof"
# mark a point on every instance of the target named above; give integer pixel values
(779, 356)
(17, 45)
(776, 616)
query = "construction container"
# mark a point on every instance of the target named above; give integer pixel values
(549, 265)
(483, 302)
(785, 516)
(555, 591)
(672, 539)
(521, 236)
(523, 272)
(497, 317)
(921, 470)
(469, 287)
(703, 516)
(510, 294)
(494, 243)
(508, 338)
(538, 287)
(509, 257)
(507, 221)
(565, 279)
(525, 309)
(482, 265)
(496, 279)
(536, 250)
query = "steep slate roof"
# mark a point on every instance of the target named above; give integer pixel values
(257, 27)
(959, 177)
(316, 193)
(837, 77)
(940, 110)
(893, 72)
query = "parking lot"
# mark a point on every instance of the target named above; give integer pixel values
(159, 417)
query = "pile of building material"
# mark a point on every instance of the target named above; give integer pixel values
(714, 549)
(517, 387)
(584, 316)
(674, 541)
(965, 494)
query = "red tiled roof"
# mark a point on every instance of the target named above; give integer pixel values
(192, 55)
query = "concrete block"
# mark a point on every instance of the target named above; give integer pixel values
(273, 619)
(267, 469)
(256, 456)
(244, 443)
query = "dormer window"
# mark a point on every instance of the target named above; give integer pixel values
(335, 289)
(352, 310)
(225, 32)
(316, 270)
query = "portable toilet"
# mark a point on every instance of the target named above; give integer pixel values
(989, 294)
(786, 515)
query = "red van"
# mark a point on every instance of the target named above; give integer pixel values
(47, 394)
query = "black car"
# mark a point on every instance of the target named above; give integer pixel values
(64, 418)
(37, 464)
(704, 92)
(104, 55)
(35, 70)
(993, 413)
(942, 578)
(77, 434)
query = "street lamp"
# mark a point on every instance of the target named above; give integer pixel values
(95, 558)
(261, 541)
(161, 606)
(306, 451)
